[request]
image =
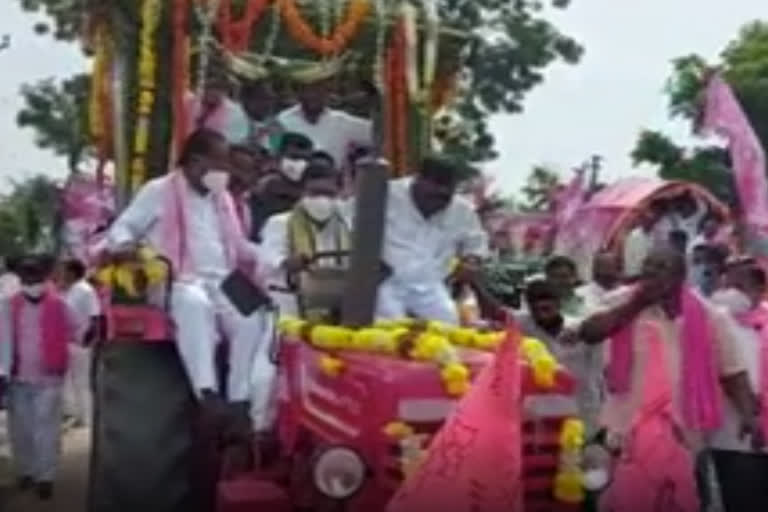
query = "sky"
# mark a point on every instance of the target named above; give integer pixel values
(598, 106)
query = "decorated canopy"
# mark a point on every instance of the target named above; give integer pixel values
(149, 54)
(604, 221)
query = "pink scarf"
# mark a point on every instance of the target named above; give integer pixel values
(56, 333)
(174, 225)
(702, 407)
(757, 319)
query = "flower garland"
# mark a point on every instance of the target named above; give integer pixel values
(397, 102)
(420, 83)
(150, 21)
(381, 32)
(412, 446)
(132, 278)
(420, 341)
(206, 11)
(236, 35)
(99, 111)
(569, 481)
(341, 36)
(180, 73)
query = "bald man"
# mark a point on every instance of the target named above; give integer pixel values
(672, 355)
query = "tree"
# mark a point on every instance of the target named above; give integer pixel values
(744, 64)
(539, 189)
(510, 44)
(57, 111)
(28, 215)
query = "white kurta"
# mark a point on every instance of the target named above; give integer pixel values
(637, 244)
(85, 304)
(335, 132)
(197, 300)
(419, 252)
(275, 249)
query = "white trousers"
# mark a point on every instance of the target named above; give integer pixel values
(77, 385)
(431, 301)
(34, 421)
(203, 314)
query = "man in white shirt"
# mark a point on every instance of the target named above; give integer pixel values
(188, 217)
(215, 110)
(332, 131)
(426, 228)
(84, 301)
(742, 470)
(315, 225)
(638, 244)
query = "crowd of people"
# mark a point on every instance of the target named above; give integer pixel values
(663, 338)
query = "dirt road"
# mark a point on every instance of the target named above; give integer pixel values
(70, 487)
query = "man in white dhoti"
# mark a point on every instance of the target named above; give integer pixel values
(315, 225)
(84, 302)
(189, 217)
(427, 227)
(36, 328)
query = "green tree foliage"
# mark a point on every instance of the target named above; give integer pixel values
(539, 188)
(57, 112)
(744, 64)
(28, 215)
(510, 44)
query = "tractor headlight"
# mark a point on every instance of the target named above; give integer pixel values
(338, 472)
(597, 467)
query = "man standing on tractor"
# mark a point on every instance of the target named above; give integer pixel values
(330, 130)
(426, 228)
(188, 217)
(36, 329)
(315, 225)
(280, 189)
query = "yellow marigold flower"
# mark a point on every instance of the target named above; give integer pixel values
(330, 365)
(454, 372)
(572, 434)
(569, 487)
(457, 387)
(398, 430)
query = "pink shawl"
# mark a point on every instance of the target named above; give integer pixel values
(655, 472)
(757, 319)
(702, 407)
(56, 333)
(173, 225)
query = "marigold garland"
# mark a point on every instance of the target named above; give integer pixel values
(180, 72)
(342, 34)
(236, 35)
(99, 111)
(569, 481)
(147, 69)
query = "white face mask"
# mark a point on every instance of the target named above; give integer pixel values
(320, 208)
(293, 169)
(33, 291)
(216, 181)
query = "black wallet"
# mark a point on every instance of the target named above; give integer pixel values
(244, 294)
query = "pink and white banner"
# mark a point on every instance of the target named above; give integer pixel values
(724, 116)
(87, 206)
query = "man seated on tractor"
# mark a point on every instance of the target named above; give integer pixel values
(427, 227)
(188, 217)
(315, 225)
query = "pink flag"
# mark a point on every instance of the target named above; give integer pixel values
(570, 199)
(724, 116)
(474, 462)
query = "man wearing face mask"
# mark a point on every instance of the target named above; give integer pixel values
(279, 191)
(188, 216)
(315, 225)
(426, 228)
(36, 328)
(741, 470)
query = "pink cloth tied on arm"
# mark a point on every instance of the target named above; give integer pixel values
(702, 403)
